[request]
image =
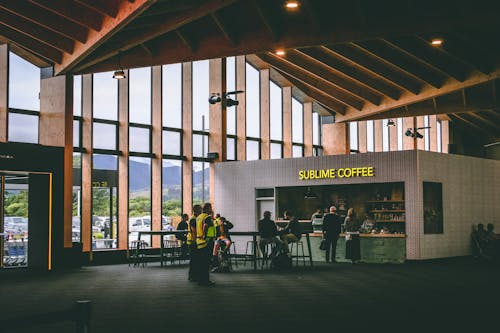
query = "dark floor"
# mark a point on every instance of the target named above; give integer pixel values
(460, 294)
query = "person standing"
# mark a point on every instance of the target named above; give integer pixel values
(193, 272)
(352, 250)
(268, 233)
(203, 223)
(332, 223)
(182, 226)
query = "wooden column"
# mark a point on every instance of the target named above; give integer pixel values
(123, 162)
(56, 129)
(187, 142)
(433, 132)
(362, 143)
(156, 144)
(378, 135)
(335, 139)
(241, 145)
(308, 131)
(445, 135)
(265, 117)
(218, 119)
(393, 136)
(420, 142)
(287, 122)
(408, 142)
(86, 190)
(4, 96)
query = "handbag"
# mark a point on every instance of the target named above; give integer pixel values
(322, 245)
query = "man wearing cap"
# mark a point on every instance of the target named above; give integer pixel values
(331, 229)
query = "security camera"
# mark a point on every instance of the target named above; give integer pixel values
(214, 99)
(409, 133)
(231, 102)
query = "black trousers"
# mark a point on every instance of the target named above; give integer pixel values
(203, 264)
(331, 241)
(193, 263)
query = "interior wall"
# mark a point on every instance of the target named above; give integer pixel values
(471, 193)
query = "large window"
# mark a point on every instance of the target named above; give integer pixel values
(427, 140)
(105, 92)
(105, 135)
(77, 95)
(385, 136)
(231, 110)
(24, 84)
(400, 133)
(276, 150)
(276, 112)
(253, 150)
(439, 133)
(139, 196)
(200, 95)
(297, 121)
(353, 137)
(76, 220)
(140, 139)
(201, 188)
(23, 127)
(172, 95)
(171, 207)
(370, 146)
(253, 102)
(140, 95)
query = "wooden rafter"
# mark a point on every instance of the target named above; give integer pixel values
(228, 31)
(484, 120)
(312, 80)
(45, 19)
(72, 11)
(187, 39)
(474, 125)
(105, 7)
(132, 40)
(127, 12)
(272, 21)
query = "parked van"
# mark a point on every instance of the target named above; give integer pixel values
(140, 223)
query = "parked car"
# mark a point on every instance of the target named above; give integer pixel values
(141, 223)
(15, 224)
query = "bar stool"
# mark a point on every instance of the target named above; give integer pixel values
(249, 250)
(268, 249)
(172, 250)
(296, 255)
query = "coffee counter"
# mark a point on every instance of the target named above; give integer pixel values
(375, 248)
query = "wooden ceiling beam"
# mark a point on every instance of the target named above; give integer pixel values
(401, 59)
(228, 31)
(131, 40)
(105, 7)
(72, 11)
(126, 13)
(45, 19)
(313, 80)
(433, 56)
(34, 46)
(480, 128)
(364, 59)
(352, 71)
(37, 32)
(484, 120)
(186, 39)
(321, 70)
(271, 21)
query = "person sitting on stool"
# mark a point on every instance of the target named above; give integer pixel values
(268, 235)
(222, 236)
(292, 232)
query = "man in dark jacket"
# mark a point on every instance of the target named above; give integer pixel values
(331, 229)
(268, 233)
(292, 232)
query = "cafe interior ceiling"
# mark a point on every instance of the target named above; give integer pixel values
(356, 60)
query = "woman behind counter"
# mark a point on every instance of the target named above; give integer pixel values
(352, 245)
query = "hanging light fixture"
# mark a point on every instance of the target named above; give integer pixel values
(119, 73)
(310, 194)
(391, 123)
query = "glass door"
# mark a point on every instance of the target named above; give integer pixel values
(14, 221)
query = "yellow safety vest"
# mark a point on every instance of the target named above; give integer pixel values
(190, 236)
(211, 229)
(200, 221)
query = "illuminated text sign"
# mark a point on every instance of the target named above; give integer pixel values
(336, 173)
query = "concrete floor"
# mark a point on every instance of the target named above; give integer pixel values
(459, 294)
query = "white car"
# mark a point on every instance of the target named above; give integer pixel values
(139, 223)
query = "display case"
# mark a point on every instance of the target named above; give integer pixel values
(388, 214)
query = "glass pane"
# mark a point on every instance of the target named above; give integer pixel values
(77, 198)
(253, 101)
(316, 131)
(439, 133)
(105, 92)
(104, 136)
(172, 95)
(297, 151)
(297, 121)
(200, 95)
(139, 197)
(140, 95)
(231, 149)
(353, 135)
(231, 86)
(200, 145)
(427, 139)
(76, 133)
(104, 201)
(77, 95)
(400, 133)
(171, 143)
(369, 136)
(139, 140)
(276, 150)
(253, 150)
(276, 110)
(24, 84)
(385, 135)
(201, 182)
(23, 128)
(171, 207)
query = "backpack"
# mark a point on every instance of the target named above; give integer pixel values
(281, 262)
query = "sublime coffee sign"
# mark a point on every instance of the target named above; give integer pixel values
(336, 173)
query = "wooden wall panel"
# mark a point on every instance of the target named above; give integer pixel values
(420, 142)
(156, 162)
(287, 122)
(241, 147)
(393, 136)
(265, 118)
(308, 132)
(4, 96)
(445, 135)
(362, 143)
(86, 226)
(187, 142)
(335, 139)
(433, 132)
(408, 142)
(378, 135)
(123, 163)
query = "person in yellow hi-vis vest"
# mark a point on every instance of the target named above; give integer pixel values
(191, 243)
(203, 224)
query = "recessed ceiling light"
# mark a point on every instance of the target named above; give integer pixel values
(280, 52)
(291, 4)
(437, 42)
